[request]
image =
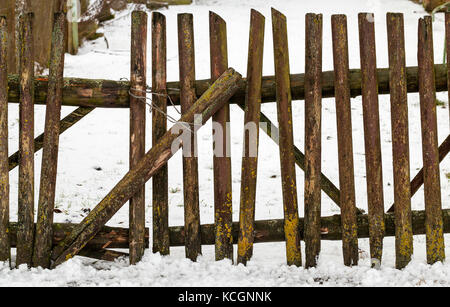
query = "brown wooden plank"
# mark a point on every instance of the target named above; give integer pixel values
(223, 211)
(400, 140)
(251, 137)
(159, 127)
(193, 247)
(447, 41)
(287, 159)
(265, 231)
(345, 140)
(25, 236)
(147, 167)
(313, 136)
(432, 183)
(5, 252)
(47, 190)
(115, 94)
(372, 134)
(138, 80)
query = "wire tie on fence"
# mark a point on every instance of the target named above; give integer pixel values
(152, 107)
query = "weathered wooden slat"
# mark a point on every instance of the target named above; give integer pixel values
(160, 183)
(25, 236)
(447, 42)
(43, 238)
(432, 184)
(345, 140)
(400, 139)
(287, 159)
(147, 167)
(5, 252)
(372, 134)
(251, 137)
(114, 94)
(193, 247)
(138, 79)
(313, 136)
(223, 211)
(265, 231)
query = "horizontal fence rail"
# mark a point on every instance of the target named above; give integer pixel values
(115, 94)
(265, 231)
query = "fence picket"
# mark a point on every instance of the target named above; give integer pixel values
(432, 184)
(223, 210)
(138, 84)
(287, 159)
(313, 136)
(5, 252)
(251, 141)
(43, 237)
(372, 141)
(25, 235)
(159, 127)
(193, 247)
(400, 140)
(447, 42)
(345, 140)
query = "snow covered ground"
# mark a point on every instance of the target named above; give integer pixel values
(100, 141)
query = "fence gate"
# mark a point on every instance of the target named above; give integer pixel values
(47, 244)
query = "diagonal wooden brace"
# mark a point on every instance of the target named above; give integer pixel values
(211, 101)
(64, 124)
(417, 182)
(327, 186)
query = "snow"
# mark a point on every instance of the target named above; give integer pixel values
(101, 140)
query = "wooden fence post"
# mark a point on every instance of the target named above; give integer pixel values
(159, 127)
(251, 141)
(44, 236)
(5, 253)
(369, 85)
(138, 84)
(222, 161)
(193, 240)
(432, 184)
(25, 235)
(400, 140)
(210, 102)
(345, 140)
(287, 159)
(313, 136)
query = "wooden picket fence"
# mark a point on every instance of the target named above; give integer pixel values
(47, 244)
